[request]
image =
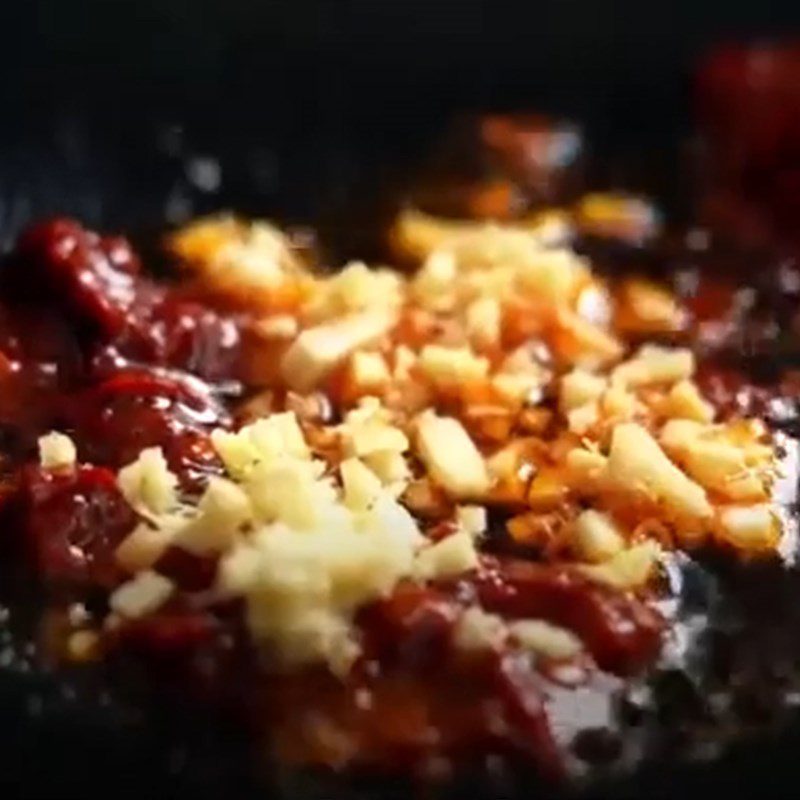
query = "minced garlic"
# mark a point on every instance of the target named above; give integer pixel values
(684, 401)
(353, 289)
(305, 551)
(545, 639)
(369, 370)
(627, 569)
(587, 442)
(478, 630)
(597, 537)
(143, 546)
(750, 527)
(451, 456)
(449, 365)
(653, 364)
(147, 483)
(579, 388)
(246, 261)
(56, 451)
(637, 464)
(316, 351)
(472, 519)
(447, 558)
(141, 595)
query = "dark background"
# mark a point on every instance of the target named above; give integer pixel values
(310, 102)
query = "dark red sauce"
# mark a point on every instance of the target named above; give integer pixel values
(73, 523)
(90, 345)
(622, 633)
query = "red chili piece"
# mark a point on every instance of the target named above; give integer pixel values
(135, 409)
(74, 521)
